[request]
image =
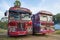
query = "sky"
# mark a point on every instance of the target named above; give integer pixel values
(34, 5)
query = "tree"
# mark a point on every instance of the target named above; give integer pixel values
(3, 25)
(56, 18)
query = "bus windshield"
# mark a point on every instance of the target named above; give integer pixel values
(26, 17)
(14, 16)
(18, 16)
(50, 18)
(43, 17)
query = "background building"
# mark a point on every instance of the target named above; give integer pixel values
(4, 19)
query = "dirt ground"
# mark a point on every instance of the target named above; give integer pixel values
(3, 36)
(31, 37)
(49, 37)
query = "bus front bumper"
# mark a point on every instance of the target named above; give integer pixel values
(17, 33)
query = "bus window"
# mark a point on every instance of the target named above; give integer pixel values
(26, 17)
(43, 17)
(50, 18)
(15, 15)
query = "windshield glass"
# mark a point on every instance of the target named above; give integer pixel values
(19, 16)
(43, 17)
(49, 18)
(26, 17)
(14, 16)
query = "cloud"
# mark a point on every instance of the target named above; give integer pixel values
(4, 5)
(43, 1)
(35, 9)
(51, 6)
(56, 6)
(1, 14)
(1, 11)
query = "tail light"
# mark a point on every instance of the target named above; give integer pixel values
(29, 26)
(28, 23)
(52, 30)
(43, 31)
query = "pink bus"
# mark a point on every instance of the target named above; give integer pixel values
(43, 23)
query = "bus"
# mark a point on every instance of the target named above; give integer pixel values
(43, 23)
(19, 20)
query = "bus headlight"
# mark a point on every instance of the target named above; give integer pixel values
(12, 29)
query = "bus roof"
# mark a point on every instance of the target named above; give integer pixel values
(45, 12)
(20, 9)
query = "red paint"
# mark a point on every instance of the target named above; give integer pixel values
(17, 33)
(12, 23)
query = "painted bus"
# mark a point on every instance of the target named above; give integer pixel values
(43, 23)
(19, 20)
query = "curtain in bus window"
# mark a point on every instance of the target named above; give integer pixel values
(43, 18)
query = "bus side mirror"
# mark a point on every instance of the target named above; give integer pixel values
(5, 13)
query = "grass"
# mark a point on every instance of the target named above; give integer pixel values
(10, 38)
(57, 32)
(4, 37)
(2, 30)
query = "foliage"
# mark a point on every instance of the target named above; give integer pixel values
(2, 31)
(56, 18)
(3, 25)
(57, 32)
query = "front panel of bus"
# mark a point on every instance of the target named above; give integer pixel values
(47, 25)
(19, 23)
(42, 24)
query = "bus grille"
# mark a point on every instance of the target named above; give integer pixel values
(21, 26)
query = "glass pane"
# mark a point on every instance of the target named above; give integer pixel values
(15, 16)
(43, 18)
(26, 16)
(49, 18)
